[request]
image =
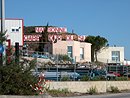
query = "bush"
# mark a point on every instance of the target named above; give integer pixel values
(59, 92)
(16, 79)
(65, 78)
(85, 78)
(114, 89)
(98, 78)
(121, 78)
(92, 90)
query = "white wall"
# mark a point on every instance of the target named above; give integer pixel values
(16, 36)
(104, 55)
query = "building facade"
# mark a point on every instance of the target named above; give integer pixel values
(79, 51)
(58, 42)
(14, 30)
(111, 55)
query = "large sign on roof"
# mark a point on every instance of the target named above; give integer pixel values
(32, 37)
(53, 37)
(51, 29)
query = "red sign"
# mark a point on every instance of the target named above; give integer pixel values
(51, 29)
(52, 38)
(31, 37)
(81, 38)
(69, 37)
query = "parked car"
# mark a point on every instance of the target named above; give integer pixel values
(110, 76)
(103, 73)
(127, 75)
(115, 73)
(36, 55)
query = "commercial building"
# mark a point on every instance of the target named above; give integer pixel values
(14, 30)
(79, 51)
(57, 41)
(111, 55)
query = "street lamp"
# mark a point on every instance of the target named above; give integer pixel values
(57, 68)
(2, 24)
(2, 16)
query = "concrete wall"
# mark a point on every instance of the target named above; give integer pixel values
(83, 87)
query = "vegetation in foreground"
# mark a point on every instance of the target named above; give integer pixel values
(16, 79)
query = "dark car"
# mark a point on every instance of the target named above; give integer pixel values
(127, 75)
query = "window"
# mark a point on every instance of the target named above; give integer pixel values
(116, 56)
(69, 51)
(81, 53)
(15, 29)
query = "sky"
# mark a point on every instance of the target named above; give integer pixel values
(106, 18)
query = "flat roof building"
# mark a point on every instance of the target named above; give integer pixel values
(111, 55)
(14, 30)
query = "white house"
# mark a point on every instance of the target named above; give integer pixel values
(79, 51)
(111, 55)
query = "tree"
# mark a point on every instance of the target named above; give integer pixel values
(2, 39)
(16, 79)
(97, 43)
(43, 39)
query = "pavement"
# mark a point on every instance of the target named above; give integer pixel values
(118, 95)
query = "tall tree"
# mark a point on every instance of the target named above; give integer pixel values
(43, 39)
(97, 43)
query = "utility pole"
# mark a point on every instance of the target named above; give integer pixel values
(57, 69)
(75, 69)
(2, 24)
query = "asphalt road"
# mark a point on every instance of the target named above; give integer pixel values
(120, 95)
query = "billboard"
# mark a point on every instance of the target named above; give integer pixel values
(51, 29)
(31, 37)
(52, 37)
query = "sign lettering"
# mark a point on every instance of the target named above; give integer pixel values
(51, 29)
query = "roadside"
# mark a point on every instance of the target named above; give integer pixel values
(115, 95)
(84, 95)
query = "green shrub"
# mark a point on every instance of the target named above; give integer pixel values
(65, 90)
(16, 79)
(65, 78)
(121, 78)
(59, 92)
(85, 78)
(92, 90)
(114, 89)
(98, 78)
